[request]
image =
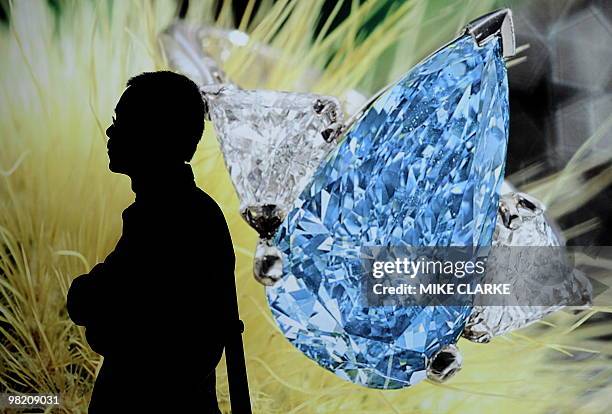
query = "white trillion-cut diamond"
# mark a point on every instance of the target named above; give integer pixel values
(522, 223)
(272, 141)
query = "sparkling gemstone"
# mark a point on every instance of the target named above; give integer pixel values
(272, 141)
(422, 167)
(522, 223)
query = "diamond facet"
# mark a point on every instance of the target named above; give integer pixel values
(422, 167)
(272, 141)
(522, 223)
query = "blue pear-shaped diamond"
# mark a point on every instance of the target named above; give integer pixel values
(422, 167)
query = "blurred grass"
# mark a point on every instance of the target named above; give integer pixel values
(62, 70)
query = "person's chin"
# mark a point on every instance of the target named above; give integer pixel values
(116, 167)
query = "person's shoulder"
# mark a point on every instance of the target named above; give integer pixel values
(206, 203)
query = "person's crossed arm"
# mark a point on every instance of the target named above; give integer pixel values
(92, 297)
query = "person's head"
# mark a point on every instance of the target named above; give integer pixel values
(158, 123)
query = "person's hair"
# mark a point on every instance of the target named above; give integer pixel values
(178, 102)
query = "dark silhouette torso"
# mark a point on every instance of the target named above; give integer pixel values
(155, 307)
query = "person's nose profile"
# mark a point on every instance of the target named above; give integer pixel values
(109, 131)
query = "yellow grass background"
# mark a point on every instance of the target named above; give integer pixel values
(60, 77)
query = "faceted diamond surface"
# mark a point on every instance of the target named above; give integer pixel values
(529, 227)
(271, 141)
(422, 167)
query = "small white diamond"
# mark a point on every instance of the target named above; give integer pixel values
(272, 141)
(536, 278)
(524, 223)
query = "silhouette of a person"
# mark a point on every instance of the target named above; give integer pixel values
(156, 308)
